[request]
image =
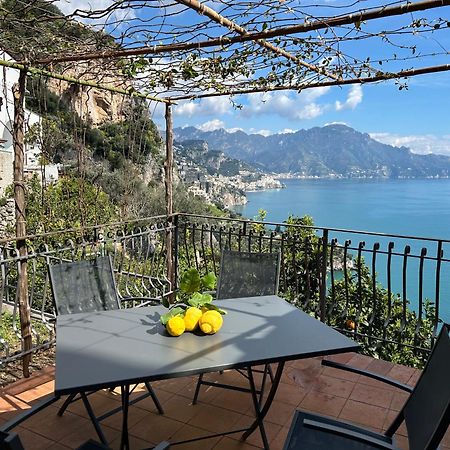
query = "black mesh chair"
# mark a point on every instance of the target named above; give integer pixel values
(89, 286)
(245, 274)
(426, 413)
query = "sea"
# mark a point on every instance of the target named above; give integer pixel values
(413, 207)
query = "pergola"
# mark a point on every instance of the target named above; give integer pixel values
(172, 51)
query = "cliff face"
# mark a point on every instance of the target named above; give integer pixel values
(91, 104)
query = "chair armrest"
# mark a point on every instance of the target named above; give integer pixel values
(355, 435)
(162, 446)
(375, 376)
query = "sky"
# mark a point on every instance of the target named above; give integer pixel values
(416, 117)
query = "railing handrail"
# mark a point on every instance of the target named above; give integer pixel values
(316, 227)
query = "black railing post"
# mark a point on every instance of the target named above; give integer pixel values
(323, 277)
(175, 246)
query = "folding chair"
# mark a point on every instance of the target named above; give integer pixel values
(245, 274)
(89, 286)
(426, 413)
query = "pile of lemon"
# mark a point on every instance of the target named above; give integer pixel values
(209, 321)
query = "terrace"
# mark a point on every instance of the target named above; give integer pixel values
(371, 287)
(139, 253)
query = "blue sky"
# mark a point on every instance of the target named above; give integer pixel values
(417, 117)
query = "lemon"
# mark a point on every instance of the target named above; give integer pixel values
(210, 322)
(175, 326)
(191, 318)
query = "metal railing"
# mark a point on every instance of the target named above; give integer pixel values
(138, 252)
(390, 292)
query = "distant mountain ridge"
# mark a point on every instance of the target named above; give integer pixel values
(329, 151)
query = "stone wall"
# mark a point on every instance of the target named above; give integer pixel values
(7, 219)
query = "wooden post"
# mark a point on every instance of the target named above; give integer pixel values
(168, 181)
(19, 198)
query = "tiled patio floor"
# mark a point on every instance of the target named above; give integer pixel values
(305, 385)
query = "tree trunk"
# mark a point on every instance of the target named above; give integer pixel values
(19, 198)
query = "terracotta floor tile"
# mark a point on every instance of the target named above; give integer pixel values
(272, 431)
(135, 443)
(33, 441)
(86, 432)
(401, 373)
(214, 419)
(398, 400)
(371, 395)
(179, 408)
(341, 374)
(291, 394)
(240, 402)
(280, 439)
(58, 446)
(280, 413)
(227, 443)
(334, 386)
(189, 432)
(329, 405)
(135, 415)
(49, 424)
(364, 414)
(380, 366)
(360, 361)
(401, 442)
(155, 428)
(342, 358)
(390, 417)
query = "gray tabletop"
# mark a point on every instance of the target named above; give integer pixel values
(108, 348)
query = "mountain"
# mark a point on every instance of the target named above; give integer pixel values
(332, 150)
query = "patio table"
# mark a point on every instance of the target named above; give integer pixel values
(122, 347)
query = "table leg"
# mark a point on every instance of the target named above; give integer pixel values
(124, 442)
(261, 412)
(93, 418)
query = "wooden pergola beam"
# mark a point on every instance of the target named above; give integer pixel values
(205, 10)
(300, 87)
(57, 76)
(359, 16)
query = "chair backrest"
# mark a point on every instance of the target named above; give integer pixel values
(84, 286)
(10, 441)
(244, 274)
(427, 410)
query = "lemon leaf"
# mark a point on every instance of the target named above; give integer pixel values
(177, 311)
(209, 281)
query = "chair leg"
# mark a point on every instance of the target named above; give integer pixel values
(268, 367)
(197, 389)
(154, 397)
(66, 403)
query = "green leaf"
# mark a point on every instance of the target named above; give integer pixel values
(200, 300)
(190, 281)
(177, 311)
(215, 308)
(209, 281)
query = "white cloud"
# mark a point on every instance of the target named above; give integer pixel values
(69, 6)
(263, 132)
(234, 130)
(287, 131)
(212, 125)
(211, 106)
(289, 105)
(336, 123)
(354, 98)
(422, 144)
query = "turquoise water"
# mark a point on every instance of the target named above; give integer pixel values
(406, 207)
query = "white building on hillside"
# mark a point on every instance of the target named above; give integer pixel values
(8, 77)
